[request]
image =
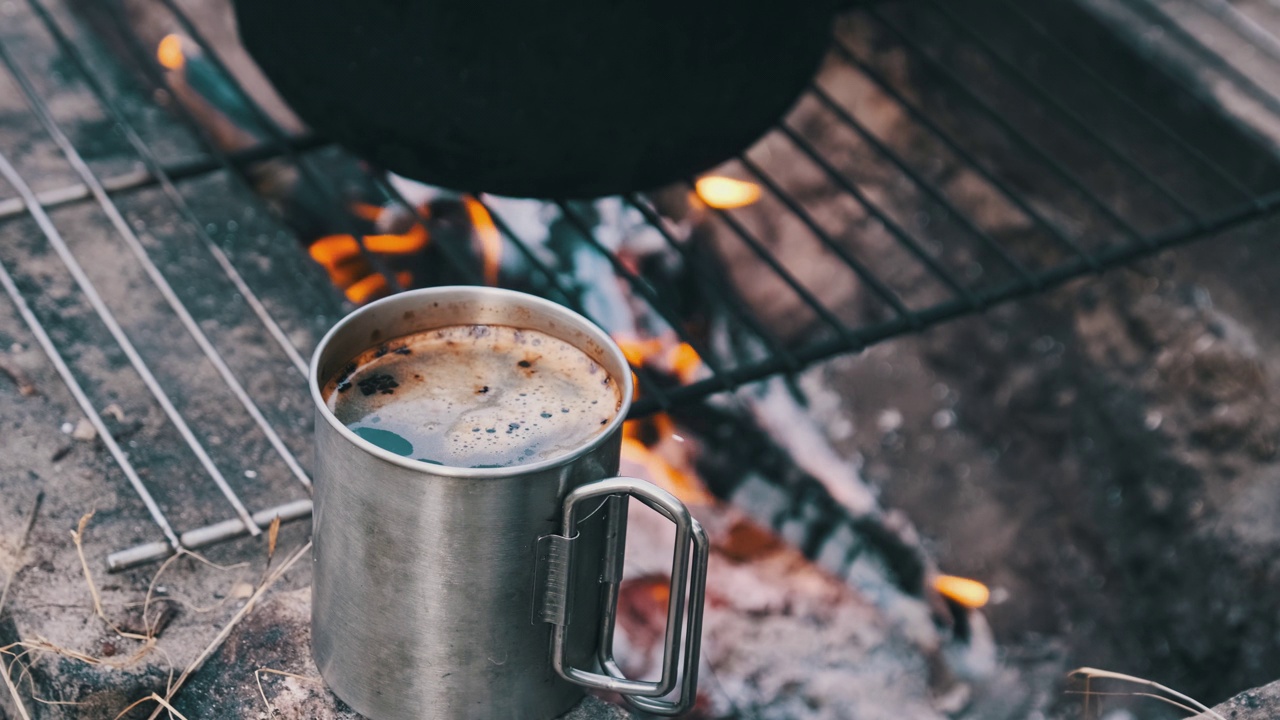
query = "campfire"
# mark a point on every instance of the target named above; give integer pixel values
(909, 517)
(661, 349)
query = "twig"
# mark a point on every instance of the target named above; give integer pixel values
(226, 629)
(152, 628)
(77, 536)
(273, 533)
(257, 676)
(13, 692)
(162, 704)
(1096, 673)
(1087, 693)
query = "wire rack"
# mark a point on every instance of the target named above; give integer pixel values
(1092, 158)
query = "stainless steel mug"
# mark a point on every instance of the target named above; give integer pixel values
(445, 592)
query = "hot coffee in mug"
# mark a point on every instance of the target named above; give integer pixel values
(475, 396)
(469, 528)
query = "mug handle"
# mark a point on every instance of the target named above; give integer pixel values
(555, 573)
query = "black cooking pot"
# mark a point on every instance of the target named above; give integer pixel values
(541, 98)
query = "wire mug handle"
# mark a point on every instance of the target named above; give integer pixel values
(554, 574)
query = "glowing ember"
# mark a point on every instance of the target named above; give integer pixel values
(490, 239)
(658, 471)
(367, 289)
(638, 351)
(169, 52)
(349, 273)
(333, 250)
(392, 244)
(666, 354)
(340, 256)
(725, 193)
(966, 592)
(684, 361)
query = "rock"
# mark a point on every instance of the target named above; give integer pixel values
(1262, 703)
(84, 431)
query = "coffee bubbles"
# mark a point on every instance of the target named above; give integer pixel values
(478, 396)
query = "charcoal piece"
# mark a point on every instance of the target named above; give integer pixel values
(568, 98)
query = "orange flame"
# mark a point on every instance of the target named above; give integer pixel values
(367, 288)
(333, 250)
(490, 239)
(657, 470)
(685, 362)
(968, 593)
(340, 256)
(664, 353)
(637, 350)
(349, 273)
(725, 193)
(398, 244)
(169, 52)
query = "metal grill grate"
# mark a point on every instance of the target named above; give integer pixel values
(1096, 167)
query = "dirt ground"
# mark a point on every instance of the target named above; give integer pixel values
(1104, 457)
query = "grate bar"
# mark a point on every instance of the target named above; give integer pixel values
(278, 137)
(288, 148)
(754, 244)
(644, 288)
(1206, 54)
(228, 268)
(929, 188)
(859, 339)
(144, 178)
(967, 157)
(1150, 119)
(205, 536)
(77, 392)
(1244, 26)
(1055, 167)
(731, 303)
(877, 287)
(91, 293)
(1067, 114)
(135, 244)
(896, 230)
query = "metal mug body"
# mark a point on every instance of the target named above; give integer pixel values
(424, 576)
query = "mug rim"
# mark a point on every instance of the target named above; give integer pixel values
(477, 293)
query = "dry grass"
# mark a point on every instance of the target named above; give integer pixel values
(1164, 694)
(162, 702)
(269, 580)
(147, 639)
(257, 676)
(19, 547)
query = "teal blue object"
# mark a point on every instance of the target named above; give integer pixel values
(386, 440)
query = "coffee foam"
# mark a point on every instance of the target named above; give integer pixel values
(475, 396)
